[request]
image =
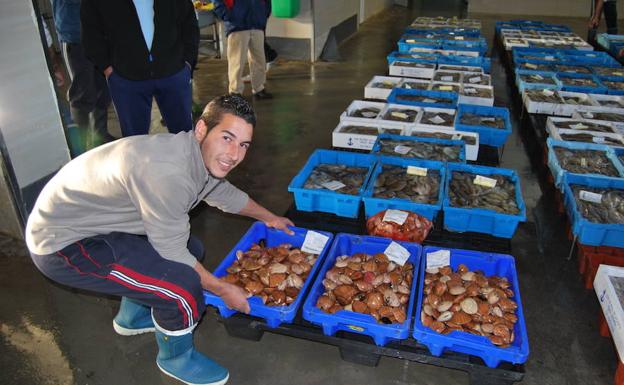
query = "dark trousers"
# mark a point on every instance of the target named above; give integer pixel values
(127, 265)
(88, 93)
(610, 14)
(133, 101)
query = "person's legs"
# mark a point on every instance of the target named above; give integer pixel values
(237, 45)
(257, 60)
(610, 15)
(174, 99)
(133, 103)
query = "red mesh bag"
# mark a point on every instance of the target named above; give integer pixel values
(414, 229)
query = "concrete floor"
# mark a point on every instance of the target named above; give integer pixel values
(55, 335)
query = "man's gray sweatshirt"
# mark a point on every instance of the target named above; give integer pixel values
(142, 185)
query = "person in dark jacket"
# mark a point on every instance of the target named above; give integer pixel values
(146, 49)
(245, 22)
(87, 94)
(609, 8)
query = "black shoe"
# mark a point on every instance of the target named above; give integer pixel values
(263, 95)
(236, 94)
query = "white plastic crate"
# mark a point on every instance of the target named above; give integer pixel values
(371, 92)
(358, 141)
(431, 122)
(425, 71)
(609, 287)
(359, 104)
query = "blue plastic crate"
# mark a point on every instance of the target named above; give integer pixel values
(591, 233)
(450, 98)
(412, 57)
(501, 265)
(610, 89)
(273, 315)
(487, 135)
(598, 89)
(465, 48)
(588, 58)
(522, 85)
(343, 205)
(479, 61)
(560, 175)
(540, 65)
(550, 58)
(414, 140)
(348, 244)
(374, 205)
(481, 220)
(405, 47)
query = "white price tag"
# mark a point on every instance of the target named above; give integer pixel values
(530, 65)
(474, 79)
(588, 115)
(438, 258)
(436, 120)
(396, 216)
(314, 242)
(537, 77)
(457, 137)
(484, 181)
(402, 149)
(446, 78)
(470, 91)
(410, 41)
(589, 196)
(428, 101)
(459, 38)
(414, 170)
(369, 114)
(583, 162)
(547, 92)
(618, 73)
(488, 119)
(550, 58)
(333, 185)
(445, 88)
(598, 139)
(398, 114)
(397, 253)
(578, 126)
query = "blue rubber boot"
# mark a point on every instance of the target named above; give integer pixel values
(133, 318)
(178, 358)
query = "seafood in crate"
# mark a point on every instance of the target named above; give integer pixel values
(401, 115)
(421, 150)
(395, 182)
(476, 79)
(421, 99)
(275, 274)
(324, 175)
(470, 119)
(609, 71)
(572, 69)
(542, 96)
(414, 229)
(468, 301)
(368, 284)
(414, 85)
(606, 116)
(575, 99)
(476, 92)
(599, 205)
(581, 125)
(536, 79)
(614, 85)
(362, 130)
(447, 77)
(589, 138)
(466, 193)
(366, 112)
(535, 67)
(437, 118)
(585, 162)
(470, 140)
(568, 81)
(445, 87)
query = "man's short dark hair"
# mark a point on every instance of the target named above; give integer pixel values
(230, 104)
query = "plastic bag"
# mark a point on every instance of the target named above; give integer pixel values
(414, 229)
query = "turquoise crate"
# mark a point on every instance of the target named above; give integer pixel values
(522, 85)
(598, 89)
(501, 265)
(560, 175)
(591, 233)
(440, 99)
(487, 135)
(412, 141)
(416, 57)
(365, 324)
(481, 220)
(374, 205)
(273, 315)
(326, 201)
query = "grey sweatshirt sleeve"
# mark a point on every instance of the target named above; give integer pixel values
(162, 197)
(227, 197)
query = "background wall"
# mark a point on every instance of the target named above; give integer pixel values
(563, 8)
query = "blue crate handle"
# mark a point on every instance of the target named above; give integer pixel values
(357, 317)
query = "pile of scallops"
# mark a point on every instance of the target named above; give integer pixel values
(468, 301)
(275, 274)
(368, 284)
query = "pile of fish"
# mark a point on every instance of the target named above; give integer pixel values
(448, 77)
(477, 92)
(585, 161)
(610, 103)
(351, 177)
(392, 131)
(462, 69)
(609, 71)
(415, 85)
(464, 192)
(536, 67)
(577, 82)
(442, 135)
(421, 150)
(572, 69)
(362, 130)
(480, 120)
(401, 115)
(582, 126)
(412, 64)
(366, 112)
(536, 78)
(275, 274)
(395, 182)
(612, 85)
(438, 118)
(482, 80)
(589, 138)
(576, 100)
(386, 84)
(607, 116)
(368, 284)
(446, 87)
(423, 99)
(606, 208)
(468, 301)
(543, 96)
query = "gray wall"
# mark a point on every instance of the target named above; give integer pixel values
(564, 8)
